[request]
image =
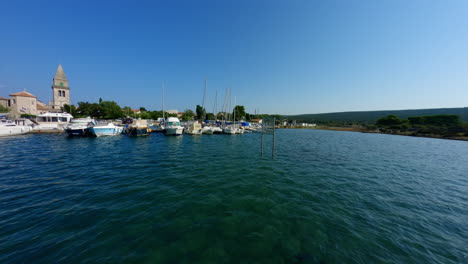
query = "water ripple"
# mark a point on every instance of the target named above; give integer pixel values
(327, 197)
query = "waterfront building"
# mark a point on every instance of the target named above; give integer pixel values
(26, 103)
(22, 103)
(173, 111)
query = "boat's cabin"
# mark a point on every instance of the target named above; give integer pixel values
(173, 123)
(8, 122)
(54, 118)
(86, 120)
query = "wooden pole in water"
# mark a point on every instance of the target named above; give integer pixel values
(273, 143)
(261, 145)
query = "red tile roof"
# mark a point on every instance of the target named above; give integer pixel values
(41, 107)
(3, 98)
(24, 94)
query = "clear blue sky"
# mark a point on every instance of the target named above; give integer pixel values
(287, 57)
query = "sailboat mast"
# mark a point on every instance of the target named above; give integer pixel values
(234, 110)
(203, 103)
(215, 104)
(163, 100)
(230, 101)
(225, 105)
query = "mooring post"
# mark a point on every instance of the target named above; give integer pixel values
(273, 142)
(261, 145)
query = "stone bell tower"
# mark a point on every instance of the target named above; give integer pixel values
(60, 89)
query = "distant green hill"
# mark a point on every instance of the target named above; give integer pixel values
(372, 116)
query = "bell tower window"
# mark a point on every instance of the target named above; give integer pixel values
(63, 93)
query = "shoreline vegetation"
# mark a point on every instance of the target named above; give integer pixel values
(434, 126)
(362, 129)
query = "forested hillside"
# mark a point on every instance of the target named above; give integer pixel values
(370, 117)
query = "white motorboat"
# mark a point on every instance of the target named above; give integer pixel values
(158, 126)
(11, 128)
(106, 130)
(173, 127)
(231, 130)
(207, 130)
(194, 128)
(216, 130)
(52, 122)
(80, 127)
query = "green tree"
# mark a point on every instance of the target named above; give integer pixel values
(87, 109)
(110, 110)
(210, 116)
(187, 115)
(388, 121)
(142, 109)
(436, 120)
(201, 112)
(71, 109)
(156, 114)
(239, 112)
(145, 115)
(248, 117)
(4, 109)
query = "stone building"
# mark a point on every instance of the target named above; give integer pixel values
(22, 103)
(26, 103)
(60, 90)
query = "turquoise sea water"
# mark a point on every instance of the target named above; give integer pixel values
(328, 197)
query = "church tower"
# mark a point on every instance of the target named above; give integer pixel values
(60, 89)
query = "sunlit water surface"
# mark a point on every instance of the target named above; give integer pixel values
(327, 197)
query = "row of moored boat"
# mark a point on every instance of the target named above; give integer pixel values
(85, 127)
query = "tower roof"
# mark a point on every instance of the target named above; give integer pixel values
(60, 75)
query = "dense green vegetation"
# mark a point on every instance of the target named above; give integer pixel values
(443, 125)
(370, 117)
(4, 109)
(111, 110)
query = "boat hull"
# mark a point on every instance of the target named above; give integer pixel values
(174, 131)
(78, 132)
(105, 131)
(217, 130)
(193, 132)
(137, 132)
(230, 131)
(207, 130)
(157, 129)
(14, 130)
